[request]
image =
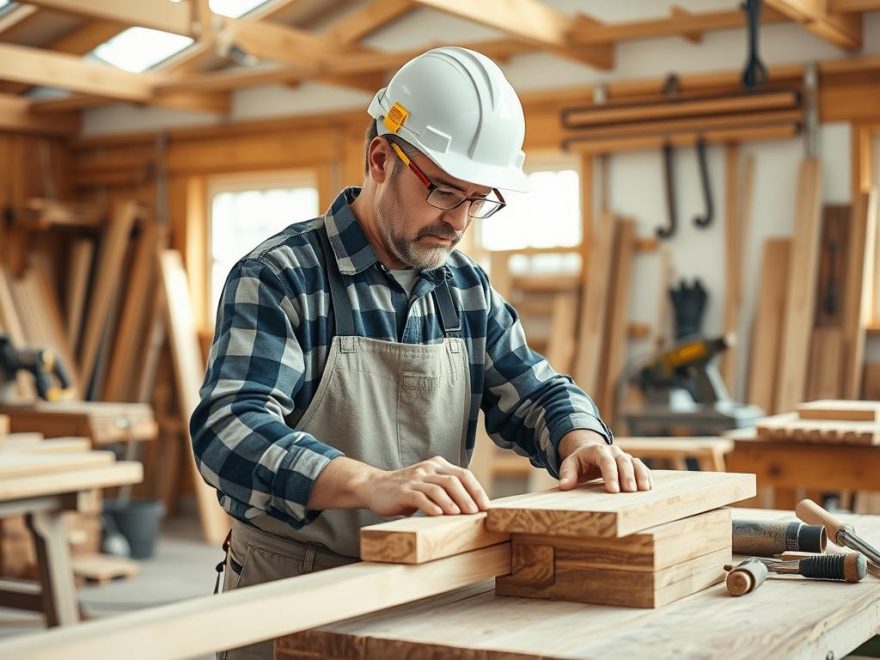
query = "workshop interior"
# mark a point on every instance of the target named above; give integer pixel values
(425, 329)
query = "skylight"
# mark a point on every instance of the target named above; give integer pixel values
(234, 8)
(138, 49)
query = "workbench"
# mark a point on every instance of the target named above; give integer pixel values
(41, 487)
(103, 423)
(785, 466)
(786, 617)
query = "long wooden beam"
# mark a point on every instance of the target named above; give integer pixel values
(212, 623)
(15, 116)
(163, 15)
(531, 20)
(847, 6)
(680, 23)
(39, 67)
(841, 30)
(16, 16)
(366, 20)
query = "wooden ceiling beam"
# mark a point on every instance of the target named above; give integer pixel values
(532, 21)
(364, 21)
(158, 15)
(848, 6)
(679, 24)
(841, 30)
(35, 66)
(16, 17)
(15, 116)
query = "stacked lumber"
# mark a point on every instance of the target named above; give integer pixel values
(844, 422)
(642, 549)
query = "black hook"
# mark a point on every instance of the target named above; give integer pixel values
(755, 73)
(669, 182)
(709, 204)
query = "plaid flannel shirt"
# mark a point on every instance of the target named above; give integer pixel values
(271, 343)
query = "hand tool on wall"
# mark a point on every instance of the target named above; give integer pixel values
(755, 73)
(841, 533)
(708, 203)
(768, 538)
(669, 186)
(749, 574)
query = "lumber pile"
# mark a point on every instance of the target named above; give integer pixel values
(844, 422)
(642, 549)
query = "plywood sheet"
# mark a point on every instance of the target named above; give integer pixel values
(419, 539)
(589, 510)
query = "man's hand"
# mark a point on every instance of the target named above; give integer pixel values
(586, 456)
(434, 487)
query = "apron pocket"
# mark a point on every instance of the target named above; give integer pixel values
(432, 413)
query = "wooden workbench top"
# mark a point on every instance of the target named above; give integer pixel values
(786, 617)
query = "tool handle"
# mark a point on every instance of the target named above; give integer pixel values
(812, 513)
(848, 567)
(745, 577)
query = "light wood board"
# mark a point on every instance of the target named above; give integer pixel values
(589, 510)
(114, 474)
(789, 427)
(801, 296)
(419, 539)
(843, 410)
(769, 321)
(15, 464)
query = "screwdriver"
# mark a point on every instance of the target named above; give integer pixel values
(843, 534)
(750, 574)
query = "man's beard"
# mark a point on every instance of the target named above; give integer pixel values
(409, 251)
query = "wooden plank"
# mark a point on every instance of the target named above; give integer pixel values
(15, 115)
(871, 382)
(105, 476)
(594, 290)
(859, 290)
(855, 411)
(4, 427)
(532, 21)
(15, 465)
(614, 355)
(40, 314)
(801, 287)
(590, 511)
(841, 30)
(119, 385)
(824, 377)
(260, 612)
(789, 427)
(103, 568)
(174, 18)
(34, 443)
(606, 586)
(189, 371)
(563, 331)
(419, 539)
(650, 550)
(102, 423)
(81, 254)
(36, 66)
(106, 288)
(768, 325)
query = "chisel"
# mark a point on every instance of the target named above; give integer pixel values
(843, 534)
(750, 574)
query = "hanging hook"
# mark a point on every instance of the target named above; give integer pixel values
(706, 219)
(669, 183)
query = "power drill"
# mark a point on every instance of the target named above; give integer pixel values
(688, 365)
(51, 378)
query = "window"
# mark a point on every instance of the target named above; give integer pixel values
(234, 8)
(245, 212)
(138, 49)
(548, 216)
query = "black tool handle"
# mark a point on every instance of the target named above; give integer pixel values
(850, 567)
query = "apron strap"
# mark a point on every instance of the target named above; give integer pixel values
(343, 315)
(449, 318)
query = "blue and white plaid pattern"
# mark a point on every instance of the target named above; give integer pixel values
(273, 333)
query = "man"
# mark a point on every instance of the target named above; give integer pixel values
(353, 351)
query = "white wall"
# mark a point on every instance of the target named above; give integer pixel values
(636, 183)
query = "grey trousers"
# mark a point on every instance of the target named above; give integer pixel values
(256, 557)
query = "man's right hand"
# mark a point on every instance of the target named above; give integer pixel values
(434, 487)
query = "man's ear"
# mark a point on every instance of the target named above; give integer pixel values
(380, 160)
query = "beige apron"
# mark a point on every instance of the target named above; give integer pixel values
(383, 403)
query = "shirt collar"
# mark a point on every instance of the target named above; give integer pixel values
(352, 250)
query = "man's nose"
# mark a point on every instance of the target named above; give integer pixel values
(457, 218)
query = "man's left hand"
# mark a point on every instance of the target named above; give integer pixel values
(586, 456)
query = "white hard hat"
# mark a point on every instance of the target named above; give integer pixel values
(455, 106)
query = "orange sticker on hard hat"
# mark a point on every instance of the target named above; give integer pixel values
(395, 117)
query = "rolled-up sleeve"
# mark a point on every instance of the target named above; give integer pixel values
(242, 445)
(528, 405)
